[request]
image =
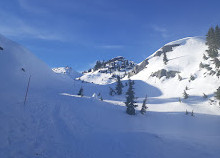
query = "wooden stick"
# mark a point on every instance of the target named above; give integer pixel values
(27, 90)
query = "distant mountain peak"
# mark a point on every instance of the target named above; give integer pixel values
(106, 71)
(68, 71)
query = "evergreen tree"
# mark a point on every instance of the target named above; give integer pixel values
(192, 113)
(217, 62)
(180, 100)
(218, 73)
(217, 36)
(205, 57)
(111, 91)
(212, 52)
(217, 93)
(97, 65)
(80, 92)
(119, 86)
(132, 82)
(101, 98)
(210, 37)
(186, 88)
(144, 107)
(192, 77)
(126, 84)
(179, 78)
(205, 96)
(130, 103)
(212, 42)
(201, 65)
(165, 60)
(185, 95)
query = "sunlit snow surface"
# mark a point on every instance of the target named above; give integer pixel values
(56, 123)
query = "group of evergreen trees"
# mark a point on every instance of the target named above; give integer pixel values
(98, 65)
(192, 113)
(112, 64)
(213, 41)
(130, 100)
(130, 96)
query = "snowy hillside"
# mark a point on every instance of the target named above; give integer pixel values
(67, 72)
(106, 72)
(55, 122)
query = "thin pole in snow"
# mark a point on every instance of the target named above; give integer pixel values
(27, 90)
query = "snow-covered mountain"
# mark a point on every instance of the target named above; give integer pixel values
(183, 70)
(56, 122)
(67, 72)
(106, 72)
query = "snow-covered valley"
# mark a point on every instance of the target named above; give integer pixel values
(55, 122)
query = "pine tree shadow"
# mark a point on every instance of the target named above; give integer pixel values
(190, 100)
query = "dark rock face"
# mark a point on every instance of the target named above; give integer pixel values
(165, 49)
(138, 68)
(163, 72)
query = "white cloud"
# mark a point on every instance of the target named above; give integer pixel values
(27, 6)
(16, 27)
(163, 31)
(111, 46)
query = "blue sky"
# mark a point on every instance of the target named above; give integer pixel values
(79, 32)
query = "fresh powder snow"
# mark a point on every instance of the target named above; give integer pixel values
(55, 122)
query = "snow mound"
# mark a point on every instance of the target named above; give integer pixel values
(67, 72)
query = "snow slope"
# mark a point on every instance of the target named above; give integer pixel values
(185, 59)
(57, 123)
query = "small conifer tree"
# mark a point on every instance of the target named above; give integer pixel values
(165, 60)
(80, 92)
(130, 103)
(205, 96)
(186, 112)
(144, 107)
(179, 78)
(205, 57)
(180, 100)
(101, 98)
(111, 91)
(119, 86)
(192, 113)
(185, 95)
(217, 93)
(192, 77)
(217, 62)
(201, 65)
